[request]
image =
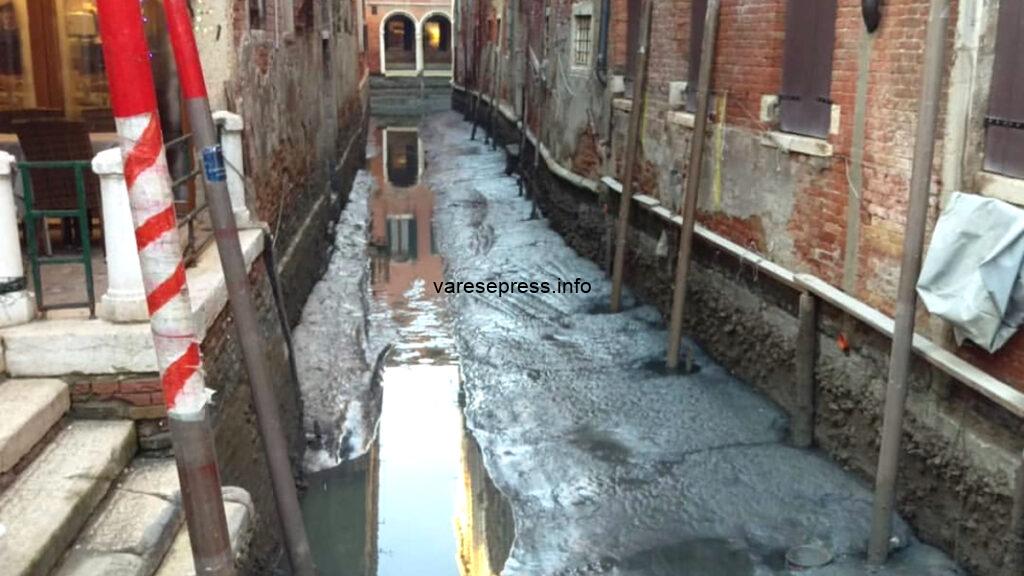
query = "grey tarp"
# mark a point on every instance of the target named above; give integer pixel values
(972, 273)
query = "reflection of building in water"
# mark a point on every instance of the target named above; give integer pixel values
(402, 212)
(484, 523)
(402, 158)
(342, 504)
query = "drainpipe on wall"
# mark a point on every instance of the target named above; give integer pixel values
(601, 68)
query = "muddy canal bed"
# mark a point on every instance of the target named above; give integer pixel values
(528, 434)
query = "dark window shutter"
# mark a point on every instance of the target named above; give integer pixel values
(1004, 146)
(633, 8)
(698, 8)
(805, 106)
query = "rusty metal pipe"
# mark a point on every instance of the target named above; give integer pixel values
(201, 494)
(910, 268)
(236, 274)
(707, 61)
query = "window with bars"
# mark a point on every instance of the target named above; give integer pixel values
(633, 9)
(581, 40)
(805, 106)
(1004, 123)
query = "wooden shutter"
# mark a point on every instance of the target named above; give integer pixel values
(698, 8)
(805, 105)
(1004, 146)
(633, 9)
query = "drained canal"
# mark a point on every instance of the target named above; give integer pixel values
(412, 499)
(434, 419)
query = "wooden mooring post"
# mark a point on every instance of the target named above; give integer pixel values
(632, 142)
(707, 61)
(802, 428)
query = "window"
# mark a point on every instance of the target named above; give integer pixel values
(1004, 124)
(581, 41)
(805, 106)
(698, 8)
(256, 15)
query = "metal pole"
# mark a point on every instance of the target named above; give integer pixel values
(707, 62)
(802, 432)
(906, 304)
(243, 310)
(495, 97)
(632, 136)
(133, 99)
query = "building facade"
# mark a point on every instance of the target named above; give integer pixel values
(409, 38)
(807, 165)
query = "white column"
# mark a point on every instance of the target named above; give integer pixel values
(419, 47)
(16, 305)
(231, 144)
(125, 299)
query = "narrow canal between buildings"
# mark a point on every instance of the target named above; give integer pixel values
(412, 502)
(433, 419)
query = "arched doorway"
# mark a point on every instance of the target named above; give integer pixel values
(399, 42)
(437, 42)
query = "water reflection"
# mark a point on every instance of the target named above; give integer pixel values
(419, 502)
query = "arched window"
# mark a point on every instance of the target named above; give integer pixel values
(437, 43)
(399, 42)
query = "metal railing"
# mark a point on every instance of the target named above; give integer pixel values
(192, 210)
(191, 207)
(34, 215)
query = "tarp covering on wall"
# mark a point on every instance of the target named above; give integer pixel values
(972, 272)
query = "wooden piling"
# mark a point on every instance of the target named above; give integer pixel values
(632, 138)
(707, 59)
(802, 429)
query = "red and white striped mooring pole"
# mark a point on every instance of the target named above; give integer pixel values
(133, 98)
(243, 310)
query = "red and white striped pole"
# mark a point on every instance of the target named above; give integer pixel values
(133, 99)
(243, 309)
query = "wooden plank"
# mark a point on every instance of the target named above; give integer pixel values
(992, 388)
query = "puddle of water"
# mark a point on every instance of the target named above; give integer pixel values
(419, 502)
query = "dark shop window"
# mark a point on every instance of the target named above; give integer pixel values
(256, 14)
(805, 106)
(698, 8)
(1004, 124)
(633, 8)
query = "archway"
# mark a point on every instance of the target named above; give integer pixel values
(437, 42)
(398, 42)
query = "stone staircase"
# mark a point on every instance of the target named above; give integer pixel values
(403, 96)
(73, 502)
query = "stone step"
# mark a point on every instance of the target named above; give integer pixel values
(134, 527)
(241, 514)
(28, 409)
(50, 501)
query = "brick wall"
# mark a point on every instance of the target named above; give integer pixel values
(792, 207)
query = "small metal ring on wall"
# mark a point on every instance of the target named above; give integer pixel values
(872, 12)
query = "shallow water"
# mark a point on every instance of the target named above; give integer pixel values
(414, 501)
(544, 407)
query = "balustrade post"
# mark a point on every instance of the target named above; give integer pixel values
(125, 298)
(16, 305)
(231, 126)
